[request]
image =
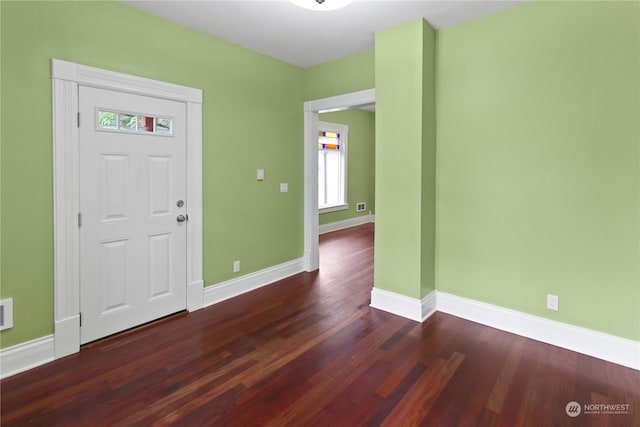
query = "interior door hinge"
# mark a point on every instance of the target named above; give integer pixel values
(78, 118)
(79, 219)
(80, 319)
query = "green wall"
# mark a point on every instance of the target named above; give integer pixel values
(345, 75)
(252, 118)
(361, 162)
(405, 159)
(537, 165)
(537, 159)
(342, 76)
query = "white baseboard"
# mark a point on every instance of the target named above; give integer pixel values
(400, 305)
(31, 354)
(622, 351)
(603, 346)
(429, 305)
(306, 261)
(26, 355)
(347, 223)
(234, 287)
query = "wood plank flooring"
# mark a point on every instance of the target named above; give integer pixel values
(309, 351)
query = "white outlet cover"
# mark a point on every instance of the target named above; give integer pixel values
(7, 313)
(552, 302)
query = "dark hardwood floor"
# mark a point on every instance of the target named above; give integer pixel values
(309, 351)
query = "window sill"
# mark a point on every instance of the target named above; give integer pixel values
(333, 208)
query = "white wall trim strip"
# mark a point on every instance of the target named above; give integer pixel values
(347, 223)
(249, 282)
(25, 356)
(603, 346)
(97, 77)
(400, 305)
(622, 351)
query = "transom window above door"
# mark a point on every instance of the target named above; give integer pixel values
(129, 122)
(332, 166)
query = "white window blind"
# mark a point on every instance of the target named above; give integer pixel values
(332, 165)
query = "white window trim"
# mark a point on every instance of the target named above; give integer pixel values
(66, 77)
(334, 208)
(343, 130)
(312, 109)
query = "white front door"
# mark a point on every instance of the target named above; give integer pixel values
(132, 210)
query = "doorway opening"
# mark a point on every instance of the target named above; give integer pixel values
(312, 111)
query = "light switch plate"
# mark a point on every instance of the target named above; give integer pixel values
(260, 175)
(284, 187)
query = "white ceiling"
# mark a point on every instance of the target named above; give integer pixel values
(302, 37)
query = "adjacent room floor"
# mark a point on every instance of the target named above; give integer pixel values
(309, 350)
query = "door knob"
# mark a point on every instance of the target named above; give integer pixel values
(181, 218)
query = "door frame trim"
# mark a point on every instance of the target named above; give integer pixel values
(312, 109)
(66, 77)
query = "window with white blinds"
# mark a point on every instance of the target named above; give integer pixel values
(332, 166)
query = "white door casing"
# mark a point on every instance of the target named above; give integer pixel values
(311, 118)
(67, 77)
(132, 248)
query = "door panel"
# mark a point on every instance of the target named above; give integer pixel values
(159, 265)
(115, 185)
(159, 185)
(114, 280)
(132, 249)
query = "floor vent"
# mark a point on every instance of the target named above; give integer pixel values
(6, 314)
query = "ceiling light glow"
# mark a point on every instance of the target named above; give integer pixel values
(322, 5)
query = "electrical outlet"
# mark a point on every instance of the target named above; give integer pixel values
(6, 314)
(236, 266)
(552, 302)
(361, 207)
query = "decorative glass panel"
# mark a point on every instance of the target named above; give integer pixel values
(145, 123)
(328, 143)
(328, 134)
(164, 125)
(112, 120)
(108, 120)
(128, 122)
